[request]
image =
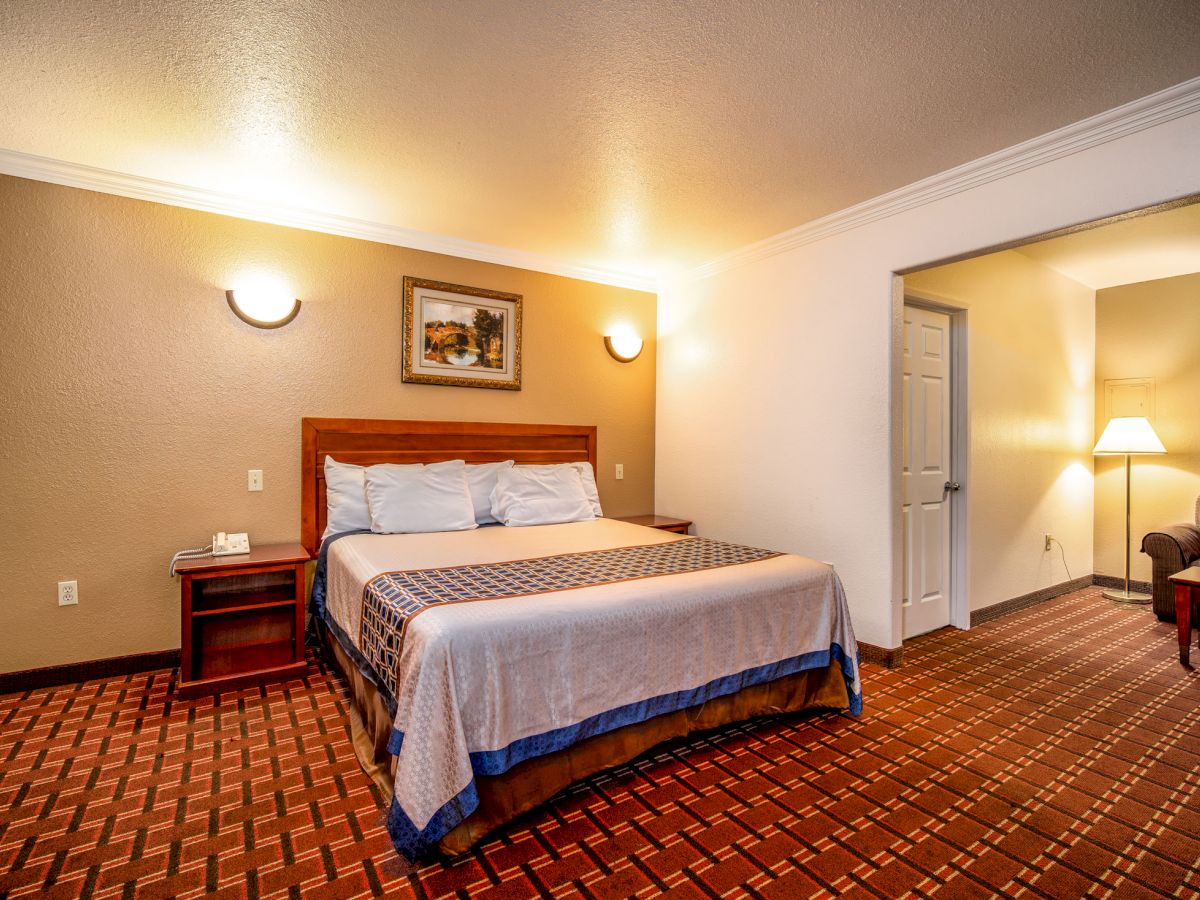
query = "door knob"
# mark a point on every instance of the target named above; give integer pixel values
(951, 486)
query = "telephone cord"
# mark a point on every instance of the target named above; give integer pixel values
(195, 553)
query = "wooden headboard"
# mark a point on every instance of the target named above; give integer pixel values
(366, 442)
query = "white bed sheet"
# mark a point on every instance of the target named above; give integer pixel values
(479, 676)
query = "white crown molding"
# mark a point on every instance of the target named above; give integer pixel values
(1173, 103)
(1164, 106)
(90, 178)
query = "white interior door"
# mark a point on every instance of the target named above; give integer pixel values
(926, 469)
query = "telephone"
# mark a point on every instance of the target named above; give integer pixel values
(230, 544)
(223, 544)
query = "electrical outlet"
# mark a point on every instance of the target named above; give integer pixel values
(254, 479)
(68, 593)
(620, 472)
(1048, 538)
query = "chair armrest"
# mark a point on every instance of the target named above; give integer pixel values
(1165, 543)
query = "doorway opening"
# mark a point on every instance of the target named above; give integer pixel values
(998, 500)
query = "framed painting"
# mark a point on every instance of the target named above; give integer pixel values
(461, 336)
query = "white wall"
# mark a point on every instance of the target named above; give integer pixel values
(1031, 357)
(775, 379)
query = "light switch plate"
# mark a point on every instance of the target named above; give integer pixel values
(254, 479)
(620, 472)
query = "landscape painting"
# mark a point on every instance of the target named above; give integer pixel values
(461, 336)
(458, 335)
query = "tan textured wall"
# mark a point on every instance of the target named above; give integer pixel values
(1149, 330)
(134, 401)
(1030, 382)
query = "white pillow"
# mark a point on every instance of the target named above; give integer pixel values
(481, 480)
(410, 499)
(586, 476)
(540, 495)
(345, 498)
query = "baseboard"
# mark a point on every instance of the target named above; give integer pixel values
(881, 656)
(73, 673)
(1113, 581)
(988, 613)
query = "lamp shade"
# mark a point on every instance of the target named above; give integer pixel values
(1128, 434)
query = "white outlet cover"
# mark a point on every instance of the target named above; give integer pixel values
(68, 593)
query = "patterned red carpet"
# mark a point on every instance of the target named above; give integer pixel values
(1055, 752)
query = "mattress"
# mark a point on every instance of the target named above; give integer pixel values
(497, 646)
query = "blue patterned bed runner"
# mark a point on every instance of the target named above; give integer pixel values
(392, 600)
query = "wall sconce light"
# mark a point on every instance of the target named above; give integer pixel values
(623, 345)
(263, 307)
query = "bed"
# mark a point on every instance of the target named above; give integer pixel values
(491, 668)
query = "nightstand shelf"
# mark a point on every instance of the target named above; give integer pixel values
(662, 523)
(221, 664)
(242, 618)
(284, 596)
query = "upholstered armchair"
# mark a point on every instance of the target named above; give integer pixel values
(1171, 550)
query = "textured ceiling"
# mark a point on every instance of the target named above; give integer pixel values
(1160, 245)
(628, 135)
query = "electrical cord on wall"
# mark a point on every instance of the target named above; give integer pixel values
(1064, 557)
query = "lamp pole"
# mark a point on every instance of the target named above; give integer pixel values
(1128, 534)
(1127, 595)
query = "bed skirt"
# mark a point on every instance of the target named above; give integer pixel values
(534, 781)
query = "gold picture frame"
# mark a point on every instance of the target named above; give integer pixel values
(461, 336)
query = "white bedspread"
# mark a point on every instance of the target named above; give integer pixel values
(479, 682)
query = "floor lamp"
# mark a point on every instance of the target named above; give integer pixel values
(1126, 435)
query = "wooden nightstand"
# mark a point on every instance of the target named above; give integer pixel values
(662, 523)
(242, 618)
